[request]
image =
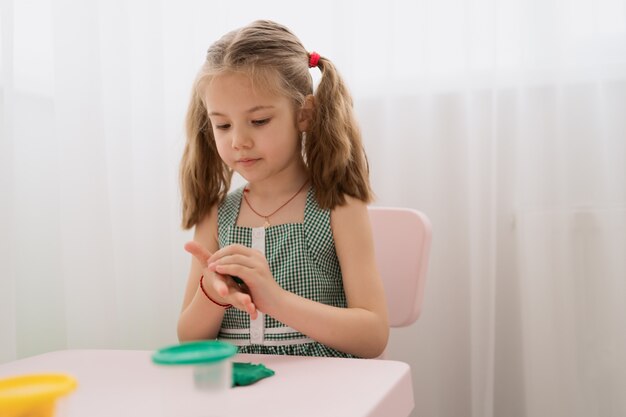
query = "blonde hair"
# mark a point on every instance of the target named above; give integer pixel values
(333, 150)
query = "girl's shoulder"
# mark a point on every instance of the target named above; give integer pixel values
(352, 233)
(353, 213)
(351, 205)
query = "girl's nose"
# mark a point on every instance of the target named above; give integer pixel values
(241, 140)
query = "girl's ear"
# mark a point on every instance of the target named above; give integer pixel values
(305, 115)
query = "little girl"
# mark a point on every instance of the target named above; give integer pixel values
(284, 265)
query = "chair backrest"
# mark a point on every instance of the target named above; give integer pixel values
(402, 239)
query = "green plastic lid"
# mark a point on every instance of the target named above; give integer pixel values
(190, 353)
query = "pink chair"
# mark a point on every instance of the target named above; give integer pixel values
(402, 239)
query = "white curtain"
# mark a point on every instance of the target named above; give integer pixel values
(504, 121)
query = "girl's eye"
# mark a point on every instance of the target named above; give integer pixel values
(222, 127)
(261, 122)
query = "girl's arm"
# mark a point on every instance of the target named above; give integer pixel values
(362, 328)
(200, 318)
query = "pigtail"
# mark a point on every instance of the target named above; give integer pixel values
(333, 148)
(204, 178)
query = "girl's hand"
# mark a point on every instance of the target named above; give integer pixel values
(221, 288)
(250, 266)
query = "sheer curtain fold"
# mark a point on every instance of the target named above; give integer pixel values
(502, 120)
(8, 348)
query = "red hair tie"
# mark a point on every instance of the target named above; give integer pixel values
(314, 58)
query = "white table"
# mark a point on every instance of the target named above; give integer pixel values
(118, 383)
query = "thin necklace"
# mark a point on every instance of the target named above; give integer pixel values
(267, 216)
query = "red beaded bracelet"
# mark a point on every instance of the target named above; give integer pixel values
(207, 295)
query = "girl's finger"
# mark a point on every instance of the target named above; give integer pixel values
(247, 305)
(234, 270)
(233, 259)
(226, 287)
(230, 250)
(243, 301)
(220, 287)
(198, 251)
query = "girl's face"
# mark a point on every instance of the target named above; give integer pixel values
(257, 133)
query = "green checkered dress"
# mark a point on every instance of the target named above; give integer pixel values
(302, 259)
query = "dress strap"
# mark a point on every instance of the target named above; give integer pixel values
(227, 214)
(318, 233)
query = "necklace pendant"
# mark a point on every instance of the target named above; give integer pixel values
(267, 217)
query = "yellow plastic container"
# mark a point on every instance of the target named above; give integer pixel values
(33, 395)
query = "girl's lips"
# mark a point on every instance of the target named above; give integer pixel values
(247, 161)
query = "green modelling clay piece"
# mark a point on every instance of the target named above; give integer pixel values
(247, 373)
